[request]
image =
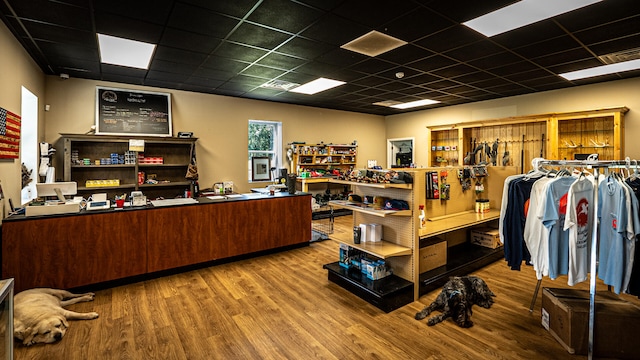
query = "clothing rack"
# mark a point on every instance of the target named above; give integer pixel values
(592, 163)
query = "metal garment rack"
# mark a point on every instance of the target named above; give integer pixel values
(596, 165)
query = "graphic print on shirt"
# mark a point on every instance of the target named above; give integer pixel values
(582, 211)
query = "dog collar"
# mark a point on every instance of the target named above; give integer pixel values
(454, 293)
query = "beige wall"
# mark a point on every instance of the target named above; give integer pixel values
(588, 97)
(17, 69)
(220, 123)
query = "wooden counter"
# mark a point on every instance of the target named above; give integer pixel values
(94, 247)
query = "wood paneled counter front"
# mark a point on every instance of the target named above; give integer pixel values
(68, 251)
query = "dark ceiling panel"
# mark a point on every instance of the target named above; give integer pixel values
(201, 21)
(334, 30)
(284, 15)
(258, 36)
(374, 12)
(429, 21)
(117, 25)
(464, 10)
(232, 47)
(52, 12)
(451, 38)
(236, 8)
(188, 41)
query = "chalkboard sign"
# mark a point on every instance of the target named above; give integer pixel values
(129, 112)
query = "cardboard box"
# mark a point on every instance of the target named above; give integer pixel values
(565, 313)
(433, 255)
(487, 237)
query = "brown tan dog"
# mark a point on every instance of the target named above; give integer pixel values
(39, 315)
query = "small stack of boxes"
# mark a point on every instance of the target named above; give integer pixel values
(373, 269)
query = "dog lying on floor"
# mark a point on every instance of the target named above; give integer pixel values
(456, 299)
(39, 315)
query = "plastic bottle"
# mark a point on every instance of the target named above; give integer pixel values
(422, 217)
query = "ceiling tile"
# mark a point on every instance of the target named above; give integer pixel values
(375, 13)
(429, 21)
(258, 36)
(153, 11)
(236, 8)
(284, 15)
(451, 38)
(463, 10)
(120, 26)
(201, 21)
(188, 41)
(239, 52)
(334, 30)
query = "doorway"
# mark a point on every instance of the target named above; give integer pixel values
(400, 153)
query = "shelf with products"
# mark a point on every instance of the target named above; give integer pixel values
(323, 157)
(515, 141)
(396, 247)
(92, 159)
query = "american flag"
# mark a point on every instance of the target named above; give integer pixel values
(9, 135)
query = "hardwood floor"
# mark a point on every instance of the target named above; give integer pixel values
(282, 306)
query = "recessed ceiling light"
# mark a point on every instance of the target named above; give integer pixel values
(523, 13)
(125, 52)
(317, 86)
(373, 43)
(416, 103)
(602, 70)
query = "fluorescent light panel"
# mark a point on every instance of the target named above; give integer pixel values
(523, 13)
(125, 52)
(317, 86)
(602, 70)
(416, 103)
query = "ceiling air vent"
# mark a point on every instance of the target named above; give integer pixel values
(373, 43)
(279, 85)
(620, 56)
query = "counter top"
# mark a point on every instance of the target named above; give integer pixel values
(202, 200)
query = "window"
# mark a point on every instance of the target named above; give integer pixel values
(265, 140)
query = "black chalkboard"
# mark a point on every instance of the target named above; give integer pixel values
(132, 112)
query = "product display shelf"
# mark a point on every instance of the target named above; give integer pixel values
(399, 238)
(170, 171)
(463, 258)
(322, 157)
(558, 136)
(441, 225)
(368, 209)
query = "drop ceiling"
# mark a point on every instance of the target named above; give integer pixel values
(233, 47)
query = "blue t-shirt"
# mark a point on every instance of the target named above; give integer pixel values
(612, 212)
(555, 211)
(515, 249)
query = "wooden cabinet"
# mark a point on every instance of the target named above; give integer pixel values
(517, 140)
(217, 231)
(84, 159)
(322, 157)
(95, 247)
(72, 251)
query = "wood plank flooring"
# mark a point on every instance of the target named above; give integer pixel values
(282, 306)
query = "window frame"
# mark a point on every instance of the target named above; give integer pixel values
(275, 154)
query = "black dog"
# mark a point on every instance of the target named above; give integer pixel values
(456, 299)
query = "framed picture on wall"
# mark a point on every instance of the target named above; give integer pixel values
(260, 169)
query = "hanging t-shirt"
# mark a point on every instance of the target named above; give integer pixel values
(578, 223)
(612, 212)
(554, 212)
(505, 202)
(536, 235)
(515, 250)
(633, 229)
(634, 280)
